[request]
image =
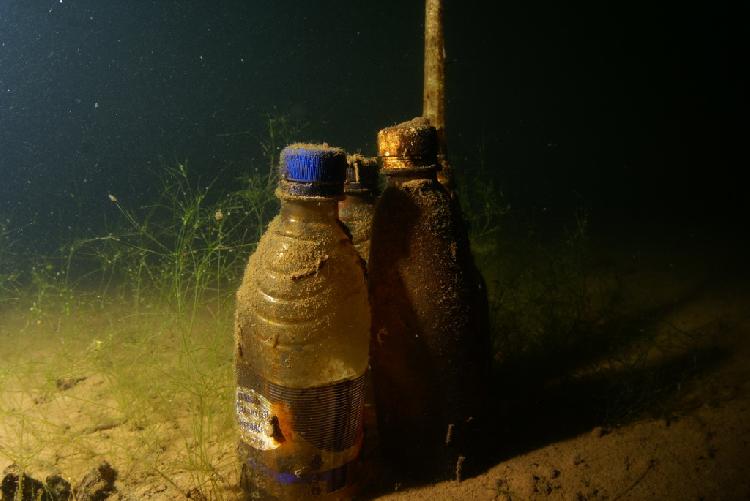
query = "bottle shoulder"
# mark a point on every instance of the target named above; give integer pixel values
(303, 257)
(419, 235)
(303, 313)
(419, 205)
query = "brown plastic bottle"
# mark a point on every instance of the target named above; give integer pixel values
(356, 211)
(358, 205)
(430, 347)
(302, 337)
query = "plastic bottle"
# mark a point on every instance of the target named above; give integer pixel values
(357, 207)
(302, 336)
(430, 346)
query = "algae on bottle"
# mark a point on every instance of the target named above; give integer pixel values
(430, 344)
(302, 335)
(358, 205)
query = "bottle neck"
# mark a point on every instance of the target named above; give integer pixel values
(397, 179)
(305, 209)
(365, 196)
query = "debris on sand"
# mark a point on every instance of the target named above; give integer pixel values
(66, 383)
(97, 484)
(56, 488)
(14, 479)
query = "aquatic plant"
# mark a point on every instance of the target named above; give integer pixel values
(538, 281)
(151, 392)
(483, 203)
(175, 250)
(49, 291)
(189, 245)
(540, 296)
(9, 273)
(146, 301)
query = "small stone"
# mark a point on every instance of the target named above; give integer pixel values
(31, 488)
(66, 383)
(58, 488)
(196, 494)
(97, 484)
(41, 399)
(599, 432)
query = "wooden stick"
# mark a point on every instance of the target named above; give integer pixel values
(434, 84)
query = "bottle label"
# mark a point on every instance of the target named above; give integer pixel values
(254, 412)
(329, 417)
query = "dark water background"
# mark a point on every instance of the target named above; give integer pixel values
(631, 114)
(629, 111)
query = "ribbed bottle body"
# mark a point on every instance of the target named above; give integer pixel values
(302, 334)
(429, 350)
(356, 213)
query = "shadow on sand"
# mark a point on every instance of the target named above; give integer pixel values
(603, 377)
(606, 375)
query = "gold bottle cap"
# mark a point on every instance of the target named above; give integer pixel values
(408, 145)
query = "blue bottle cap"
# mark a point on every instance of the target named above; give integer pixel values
(313, 170)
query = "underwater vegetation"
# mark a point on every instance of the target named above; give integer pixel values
(8, 276)
(119, 346)
(131, 333)
(138, 320)
(189, 242)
